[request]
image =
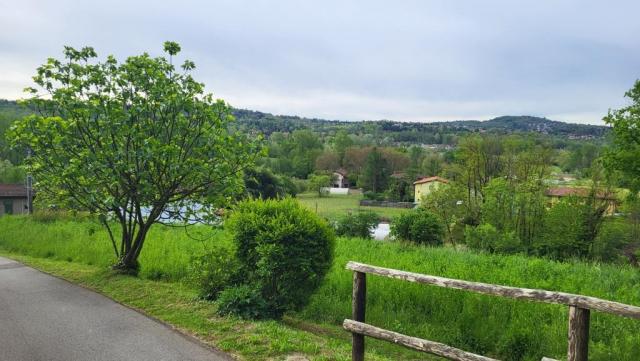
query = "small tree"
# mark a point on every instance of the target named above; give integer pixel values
(130, 141)
(447, 202)
(357, 225)
(375, 175)
(319, 183)
(419, 226)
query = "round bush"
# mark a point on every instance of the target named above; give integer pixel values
(418, 226)
(283, 249)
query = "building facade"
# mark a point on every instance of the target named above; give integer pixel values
(13, 199)
(422, 187)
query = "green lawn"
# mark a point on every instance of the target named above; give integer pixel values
(334, 207)
(496, 327)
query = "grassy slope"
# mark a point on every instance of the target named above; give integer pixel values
(509, 330)
(335, 206)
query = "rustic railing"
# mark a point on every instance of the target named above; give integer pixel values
(579, 313)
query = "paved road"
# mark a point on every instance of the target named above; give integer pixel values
(43, 318)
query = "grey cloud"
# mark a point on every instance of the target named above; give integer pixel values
(404, 60)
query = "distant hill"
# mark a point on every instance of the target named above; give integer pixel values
(269, 123)
(525, 123)
(391, 131)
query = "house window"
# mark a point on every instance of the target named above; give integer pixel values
(8, 206)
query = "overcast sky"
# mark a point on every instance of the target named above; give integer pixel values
(353, 60)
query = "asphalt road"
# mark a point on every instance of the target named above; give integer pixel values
(49, 319)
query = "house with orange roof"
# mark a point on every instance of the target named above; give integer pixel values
(423, 186)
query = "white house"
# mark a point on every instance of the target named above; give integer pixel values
(340, 179)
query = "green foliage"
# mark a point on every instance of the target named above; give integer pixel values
(370, 195)
(487, 238)
(614, 235)
(375, 175)
(357, 224)
(480, 324)
(130, 155)
(262, 183)
(418, 226)
(213, 270)
(10, 173)
(244, 301)
(341, 142)
(448, 202)
(284, 251)
(400, 189)
(571, 228)
(624, 154)
(319, 183)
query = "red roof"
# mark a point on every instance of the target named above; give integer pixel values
(578, 192)
(13, 191)
(431, 179)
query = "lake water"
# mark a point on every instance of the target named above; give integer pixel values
(381, 232)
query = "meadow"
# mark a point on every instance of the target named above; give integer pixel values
(505, 329)
(334, 206)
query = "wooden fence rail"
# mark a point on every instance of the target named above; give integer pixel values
(579, 313)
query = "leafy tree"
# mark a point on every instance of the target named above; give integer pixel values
(432, 164)
(328, 161)
(318, 182)
(486, 237)
(304, 149)
(130, 142)
(357, 225)
(400, 189)
(447, 202)
(341, 142)
(375, 175)
(262, 183)
(624, 154)
(10, 173)
(419, 226)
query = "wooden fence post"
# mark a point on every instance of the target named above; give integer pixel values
(578, 334)
(358, 313)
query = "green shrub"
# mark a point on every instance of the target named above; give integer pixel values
(284, 251)
(486, 237)
(243, 301)
(357, 225)
(419, 226)
(212, 271)
(611, 239)
(373, 196)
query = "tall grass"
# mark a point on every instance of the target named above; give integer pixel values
(505, 329)
(166, 253)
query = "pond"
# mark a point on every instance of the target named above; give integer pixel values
(381, 232)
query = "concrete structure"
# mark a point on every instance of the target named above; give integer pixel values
(426, 185)
(13, 199)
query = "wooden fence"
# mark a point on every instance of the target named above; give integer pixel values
(387, 204)
(579, 310)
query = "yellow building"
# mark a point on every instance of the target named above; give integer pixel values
(424, 186)
(554, 194)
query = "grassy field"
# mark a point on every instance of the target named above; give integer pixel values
(505, 329)
(334, 206)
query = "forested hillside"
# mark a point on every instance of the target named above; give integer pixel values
(416, 132)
